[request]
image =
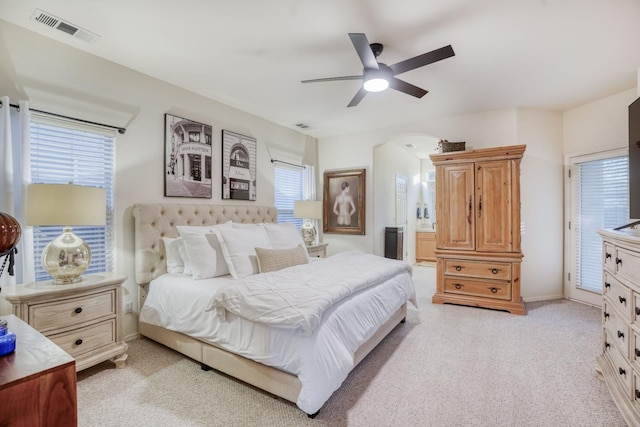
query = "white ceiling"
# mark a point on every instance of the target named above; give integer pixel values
(252, 54)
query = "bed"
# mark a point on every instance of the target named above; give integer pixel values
(303, 358)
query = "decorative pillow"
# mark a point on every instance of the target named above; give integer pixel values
(238, 246)
(175, 264)
(277, 259)
(283, 236)
(183, 254)
(204, 254)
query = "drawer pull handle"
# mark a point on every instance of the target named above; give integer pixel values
(458, 286)
(607, 285)
(637, 311)
(78, 310)
(495, 270)
(607, 255)
(78, 341)
(458, 267)
(622, 371)
(620, 334)
(637, 351)
(622, 300)
(606, 345)
(618, 260)
(493, 290)
(606, 315)
(637, 394)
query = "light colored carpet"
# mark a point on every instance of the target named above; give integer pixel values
(446, 366)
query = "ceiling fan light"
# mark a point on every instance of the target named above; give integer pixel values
(376, 84)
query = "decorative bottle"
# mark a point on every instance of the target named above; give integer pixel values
(7, 339)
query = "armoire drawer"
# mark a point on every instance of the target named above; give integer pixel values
(484, 269)
(477, 288)
(70, 312)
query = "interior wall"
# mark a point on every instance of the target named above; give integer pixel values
(540, 130)
(61, 79)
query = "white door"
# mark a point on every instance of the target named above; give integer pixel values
(598, 197)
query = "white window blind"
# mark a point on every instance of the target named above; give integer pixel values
(288, 189)
(601, 191)
(63, 152)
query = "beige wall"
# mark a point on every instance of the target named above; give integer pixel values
(55, 77)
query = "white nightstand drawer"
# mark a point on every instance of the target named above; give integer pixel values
(59, 314)
(85, 339)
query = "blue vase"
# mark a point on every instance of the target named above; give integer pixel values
(7, 339)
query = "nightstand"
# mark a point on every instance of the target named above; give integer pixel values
(84, 318)
(317, 251)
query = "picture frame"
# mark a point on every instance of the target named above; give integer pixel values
(343, 203)
(187, 158)
(239, 154)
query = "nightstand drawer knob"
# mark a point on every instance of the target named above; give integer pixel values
(78, 341)
(78, 310)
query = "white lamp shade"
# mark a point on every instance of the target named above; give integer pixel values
(65, 204)
(309, 209)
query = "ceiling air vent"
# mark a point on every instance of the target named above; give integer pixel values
(52, 21)
(303, 126)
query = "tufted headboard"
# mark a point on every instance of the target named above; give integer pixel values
(157, 220)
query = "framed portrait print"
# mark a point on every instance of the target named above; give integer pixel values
(238, 166)
(343, 203)
(187, 158)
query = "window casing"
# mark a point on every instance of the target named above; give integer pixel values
(63, 152)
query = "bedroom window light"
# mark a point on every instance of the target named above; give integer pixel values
(288, 189)
(63, 152)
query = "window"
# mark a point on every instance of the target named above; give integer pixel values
(600, 192)
(63, 152)
(288, 189)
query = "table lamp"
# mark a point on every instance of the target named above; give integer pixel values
(308, 210)
(67, 256)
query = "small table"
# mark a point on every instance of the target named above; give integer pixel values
(37, 381)
(317, 251)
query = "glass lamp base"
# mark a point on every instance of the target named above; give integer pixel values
(66, 257)
(308, 233)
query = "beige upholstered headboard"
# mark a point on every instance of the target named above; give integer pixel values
(154, 221)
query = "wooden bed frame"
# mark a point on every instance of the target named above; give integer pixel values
(154, 221)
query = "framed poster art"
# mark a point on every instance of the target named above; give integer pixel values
(343, 203)
(187, 158)
(239, 154)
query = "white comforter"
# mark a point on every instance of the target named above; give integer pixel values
(321, 360)
(297, 297)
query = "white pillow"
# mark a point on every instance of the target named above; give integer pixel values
(283, 236)
(175, 264)
(238, 246)
(203, 253)
(183, 254)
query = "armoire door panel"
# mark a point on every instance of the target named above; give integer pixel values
(494, 221)
(455, 205)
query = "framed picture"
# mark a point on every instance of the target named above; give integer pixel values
(343, 202)
(238, 166)
(187, 158)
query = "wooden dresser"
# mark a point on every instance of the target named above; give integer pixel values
(478, 250)
(620, 359)
(84, 318)
(37, 381)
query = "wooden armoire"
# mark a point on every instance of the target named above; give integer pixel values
(478, 250)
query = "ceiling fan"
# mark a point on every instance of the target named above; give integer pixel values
(377, 76)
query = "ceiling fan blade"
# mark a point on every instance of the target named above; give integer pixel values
(332, 79)
(356, 99)
(365, 53)
(407, 88)
(422, 60)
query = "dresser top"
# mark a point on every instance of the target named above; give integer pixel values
(47, 287)
(34, 354)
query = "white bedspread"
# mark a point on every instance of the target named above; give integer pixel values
(297, 297)
(321, 360)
